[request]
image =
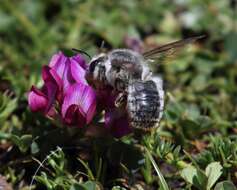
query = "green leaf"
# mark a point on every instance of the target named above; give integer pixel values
(173, 111)
(77, 186)
(194, 176)
(4, 135)
(229, 44)
(6, 21)
(86, 166)
(22, 142)
(34, 148)
(213, 172)
(225, 185)
(118, 188)
(89, 185)
(43, 179)
(147, 171)
(163, 183)
(68, 52)
(7, 105)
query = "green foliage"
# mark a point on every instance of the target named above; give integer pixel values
(213, 172)
(220, 149)
(163, 184)
(7, 105)
(89, 185)
(194, 176)
(58, 177)
(200, 179)
(225, 185)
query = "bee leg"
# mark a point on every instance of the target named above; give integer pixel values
(120, 100)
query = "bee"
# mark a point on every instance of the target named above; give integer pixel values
(128, 73)
(117, 68)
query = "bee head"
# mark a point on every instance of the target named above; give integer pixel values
(96, 70)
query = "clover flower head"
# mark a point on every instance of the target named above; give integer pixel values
(65, 85)
(66, 93)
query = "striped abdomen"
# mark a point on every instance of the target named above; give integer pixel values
(145, 103)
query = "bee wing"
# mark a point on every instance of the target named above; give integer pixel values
(169, 49)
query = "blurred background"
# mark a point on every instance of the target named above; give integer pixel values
(200, 82)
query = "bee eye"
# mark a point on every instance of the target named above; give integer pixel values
(93, 65)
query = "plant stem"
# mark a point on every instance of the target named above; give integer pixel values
(160, 176)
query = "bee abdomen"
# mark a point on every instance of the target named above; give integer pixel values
(144, 104)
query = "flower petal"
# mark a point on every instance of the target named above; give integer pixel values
(67, 78)
(80, 60)
(69, 69)
(106, 97)
(50, 90)
(50, 75)
(78, 72)
(58, 63)
(116, 121)
(62, 68)
(88, 103)
(75, 116)
(37, 100)
(83, 97)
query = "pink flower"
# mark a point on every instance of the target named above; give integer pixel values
(65, 92)
(79, 104)
(37, 100)
(43, 100)
(116, 121)
(70, 69)
(65, 84)
(106, 98)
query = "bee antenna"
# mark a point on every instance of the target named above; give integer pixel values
(82, 51)
(102, 45)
